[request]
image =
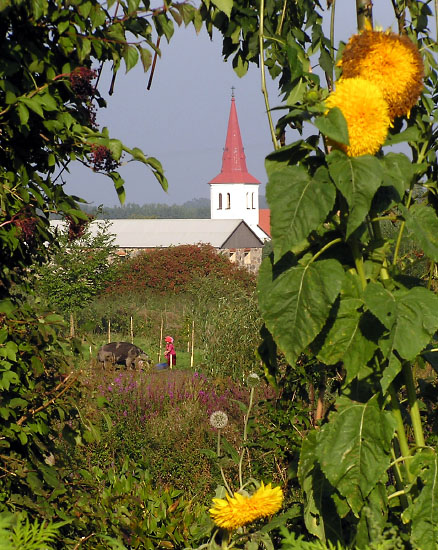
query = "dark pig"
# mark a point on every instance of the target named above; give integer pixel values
(122, 353)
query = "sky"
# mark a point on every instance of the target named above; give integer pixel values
(182, 120)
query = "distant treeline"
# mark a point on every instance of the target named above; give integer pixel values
(193, 209)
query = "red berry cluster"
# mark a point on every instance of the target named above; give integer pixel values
(80, 80)
(26, 226)
(76, 229)
(102, 159)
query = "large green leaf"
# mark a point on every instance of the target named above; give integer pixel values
(354, 448)
(334, 126)
(398, 171)
(296, 302)
(422, 225)
(345, 340)
(423, 512)
(358, 179)
(411, 317)
(291, 193)
(319, 510)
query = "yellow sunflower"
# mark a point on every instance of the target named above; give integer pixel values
(233, 512)
(392, 62)
(366, 113)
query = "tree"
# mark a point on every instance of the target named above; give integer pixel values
(79, 270)
(51, 56)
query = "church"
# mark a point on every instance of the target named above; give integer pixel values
(237, 227)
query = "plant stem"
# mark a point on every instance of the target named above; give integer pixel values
(413, 403)
(364, 14)
(324, 248)
(332, 38)
(262, 74)
(358, 262)
(218, 452)
(245, 435)
(400, 428)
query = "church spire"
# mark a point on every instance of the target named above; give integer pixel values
(234, 168)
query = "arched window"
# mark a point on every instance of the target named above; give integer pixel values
(220, 202)
(252, 201)
(247, 201)
(228, 201)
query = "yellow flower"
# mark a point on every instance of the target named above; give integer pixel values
(392, 62)
(233, 512)
(366, 113)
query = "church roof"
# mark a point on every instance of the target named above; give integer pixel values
(265, 220)
(234, 168)
(159, 233)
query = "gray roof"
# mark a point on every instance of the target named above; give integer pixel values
(146, 233)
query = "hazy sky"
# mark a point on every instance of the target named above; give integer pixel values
(182, 120)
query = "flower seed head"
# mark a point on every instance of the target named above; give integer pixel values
(218, 419)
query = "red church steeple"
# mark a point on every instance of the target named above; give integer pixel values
(234, 168)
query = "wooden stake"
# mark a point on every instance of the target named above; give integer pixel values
(193, 344)
(132, 331)
(72, 325)
(109, 331)
(161, 338)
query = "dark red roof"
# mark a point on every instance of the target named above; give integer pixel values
(265, 220)
(234, 168)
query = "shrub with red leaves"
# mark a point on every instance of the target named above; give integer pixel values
(173, 269)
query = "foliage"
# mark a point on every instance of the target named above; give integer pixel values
(118, 507)
(172, 269)
(51, 54)
(227, 322)
(36, 374)
(334, 287)
(79, 269)
(18, 533)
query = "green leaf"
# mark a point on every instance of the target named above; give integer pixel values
(224, 5)
(422, 226)
(345, 340)
(145, 57)
(354, 448)
(410, 134)
(411, 317)
(240, 64)
(334, 126)
(423, 512)
(33, 104)
(358, 179)
(23, 113)
(398, 171)
(295, 301)
(319, 511)
(130, 55)
(291, 194)
(116, 148)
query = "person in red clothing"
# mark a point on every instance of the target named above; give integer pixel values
(170, 352)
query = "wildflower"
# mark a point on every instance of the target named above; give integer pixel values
(233, 512)
(366, 113)
(219, 420)
(392, 62)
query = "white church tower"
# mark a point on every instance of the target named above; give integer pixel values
(234, 193)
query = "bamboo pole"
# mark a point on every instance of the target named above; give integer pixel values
(132, 331)
(109, 331)
(193, 344)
